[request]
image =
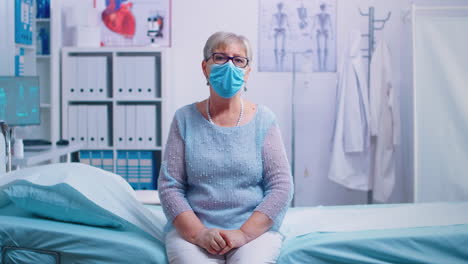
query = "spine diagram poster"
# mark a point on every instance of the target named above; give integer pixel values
(135, 22)
(306, 28)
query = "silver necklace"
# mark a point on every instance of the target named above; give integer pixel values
(240, 115)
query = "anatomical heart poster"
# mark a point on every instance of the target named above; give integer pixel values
(135, 22)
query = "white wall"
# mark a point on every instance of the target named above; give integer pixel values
(194, 21)
(313, 187)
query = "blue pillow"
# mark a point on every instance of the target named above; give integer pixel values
(79, 193)
(60, 202)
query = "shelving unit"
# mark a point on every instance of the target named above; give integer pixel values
(48, 67)
(34, 64)
(113, 102)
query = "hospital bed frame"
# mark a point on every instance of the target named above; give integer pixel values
(54, 254)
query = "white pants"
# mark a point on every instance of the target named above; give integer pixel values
(263, 249)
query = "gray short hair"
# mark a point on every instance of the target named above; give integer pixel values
(219, 39)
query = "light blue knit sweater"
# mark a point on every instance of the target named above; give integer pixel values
(224, 174)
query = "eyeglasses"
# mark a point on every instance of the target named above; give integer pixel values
(238, 61)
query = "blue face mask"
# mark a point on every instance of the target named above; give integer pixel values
(226, 79)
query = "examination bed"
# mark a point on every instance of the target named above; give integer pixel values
(26, 238)
(396, 233)
(431, 233)
(75, 213)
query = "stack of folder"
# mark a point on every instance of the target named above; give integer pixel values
(135, 126)
(88, 124)
(136, 77)
(138, 168)
(103, 159)
(87, 78)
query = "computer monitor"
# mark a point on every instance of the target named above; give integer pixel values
(20, 100)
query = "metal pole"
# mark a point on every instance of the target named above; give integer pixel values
(293, 123)
(371, 42)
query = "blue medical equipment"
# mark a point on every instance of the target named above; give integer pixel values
(20, 100)
(23, 21)
(43, 42)
(43, 9)
(19, 62)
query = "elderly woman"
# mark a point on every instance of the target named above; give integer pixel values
(225, 181)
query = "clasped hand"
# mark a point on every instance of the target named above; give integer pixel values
(218, 241)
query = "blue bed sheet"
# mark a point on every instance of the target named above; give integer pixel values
(75, 243)
(85, 244)
(428, 245)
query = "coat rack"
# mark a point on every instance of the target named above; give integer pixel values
(371, 35)
(371, 44)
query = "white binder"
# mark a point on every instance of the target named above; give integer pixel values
(102, 126)
(80, 76)
(126, 75)
(101, 77)
(130, 77)
(130, 126)
(151, 75)
(92, 126)
(140, 126)
(82, 124)
(145, 76)
(119, 86)
(82, 72)
(71, 85)
(72, 124)
(120, 120)
(150, 125)
(78, 79)
(139, 76)
(91, 77)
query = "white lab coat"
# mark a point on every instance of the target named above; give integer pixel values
(385, 121)
(350, 157)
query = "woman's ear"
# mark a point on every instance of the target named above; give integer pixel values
(205, 68)
(247, 73)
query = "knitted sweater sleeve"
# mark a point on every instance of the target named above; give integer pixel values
(277, 179)
(172, 181)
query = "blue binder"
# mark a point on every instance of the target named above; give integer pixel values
(96, 159)
(108, 160)
(85, 157)
(19, 62)
(23, 21)
(121, 166)
(146, 170)
(132, 169)
(43, 9)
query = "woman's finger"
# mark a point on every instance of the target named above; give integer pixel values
(214, 245)
(220, 240)
(212, 251)
(226, 238)
(225, 250)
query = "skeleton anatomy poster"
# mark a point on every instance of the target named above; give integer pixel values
(135, 22)
(306, 28)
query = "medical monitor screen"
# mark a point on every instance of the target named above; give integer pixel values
(20, 100)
